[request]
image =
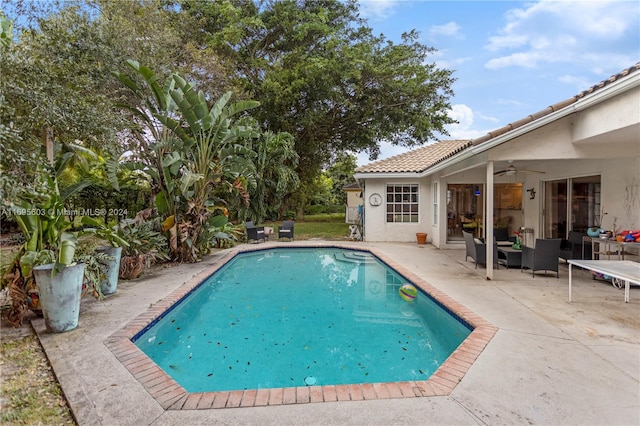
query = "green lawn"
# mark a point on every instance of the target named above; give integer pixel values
(330, 228)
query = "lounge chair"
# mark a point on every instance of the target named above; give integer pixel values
(254, 233)
(544, 257)
(477, 249)
(285, 230)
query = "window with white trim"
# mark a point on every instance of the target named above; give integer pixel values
(402, 203)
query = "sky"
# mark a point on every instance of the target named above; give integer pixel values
(512, 58)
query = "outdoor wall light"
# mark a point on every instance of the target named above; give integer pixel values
(477, 192)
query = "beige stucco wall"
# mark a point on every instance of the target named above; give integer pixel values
(376, 228)
(620, 112)
(353, 198)
(620, 186)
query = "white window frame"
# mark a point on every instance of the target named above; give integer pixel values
(407, 201)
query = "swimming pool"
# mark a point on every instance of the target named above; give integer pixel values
(301, 317)
(171, 395)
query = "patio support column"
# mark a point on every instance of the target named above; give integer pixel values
(488, 220)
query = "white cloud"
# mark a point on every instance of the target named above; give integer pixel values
(462, 114)
(377, 9)
(463, 129)
(507, 41)
(489, 118)
(520, 59)
(581, 33)
(450, 29)
(386, 150)
(580, 83)
(509, 102)
(452, 64)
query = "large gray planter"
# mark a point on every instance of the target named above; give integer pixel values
(60, 296)
(110, 286)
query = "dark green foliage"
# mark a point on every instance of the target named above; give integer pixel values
(322, 76)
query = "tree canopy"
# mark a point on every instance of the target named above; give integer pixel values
(322, 76)
(317, 69)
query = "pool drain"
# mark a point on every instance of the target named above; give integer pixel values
(310, 380)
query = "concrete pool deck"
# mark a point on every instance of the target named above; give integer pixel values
(550, 361)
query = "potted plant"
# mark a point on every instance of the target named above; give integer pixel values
(112, 252)
(421, 237)
(44, 274)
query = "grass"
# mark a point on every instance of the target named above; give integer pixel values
(324, 226)
(30, 394)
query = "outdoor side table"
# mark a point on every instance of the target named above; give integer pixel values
(509, 257)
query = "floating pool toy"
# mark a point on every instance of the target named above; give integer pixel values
(408, 292)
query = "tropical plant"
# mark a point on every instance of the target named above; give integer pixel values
(103, 232)
(40, 214)
(147, 245)
(191, 152)
(95, 264)
(275, 175)
(214, 157)
(227, 235)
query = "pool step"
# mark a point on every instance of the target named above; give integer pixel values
(358, 257)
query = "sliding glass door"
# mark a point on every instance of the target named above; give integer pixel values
(571, 205)
(465, 209)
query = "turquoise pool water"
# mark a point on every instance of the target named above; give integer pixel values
(301, 316)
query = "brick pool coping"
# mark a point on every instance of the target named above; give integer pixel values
(171, 396)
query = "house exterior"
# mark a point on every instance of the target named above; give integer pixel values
(570, 166)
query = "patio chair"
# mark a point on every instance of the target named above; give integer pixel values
(285, 230)
(477, 249)
(544, 257)
(573, 247)
(254, 233)
(501, 234)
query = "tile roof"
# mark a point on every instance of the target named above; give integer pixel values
(418, 160)
(351, 187)
(421, 159)
(555, 107)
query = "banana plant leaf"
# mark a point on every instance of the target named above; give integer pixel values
(103, 232)
(68, 244)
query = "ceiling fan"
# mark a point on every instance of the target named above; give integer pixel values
(512, 170)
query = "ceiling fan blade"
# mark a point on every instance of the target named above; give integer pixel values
(499, 173)
(531, 171)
